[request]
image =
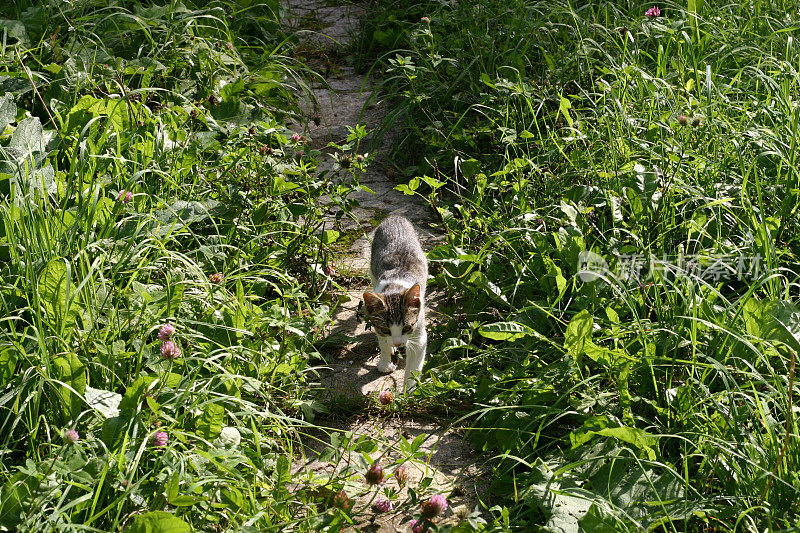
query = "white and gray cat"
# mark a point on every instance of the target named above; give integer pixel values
(396, 305)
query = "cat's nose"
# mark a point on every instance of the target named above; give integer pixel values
(398, 344)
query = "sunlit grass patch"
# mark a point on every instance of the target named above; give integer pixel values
(656, 139)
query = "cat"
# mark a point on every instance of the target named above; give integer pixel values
(396, 305)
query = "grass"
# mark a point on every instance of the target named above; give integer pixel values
(639, 386)
(183, 107)
(542, 131)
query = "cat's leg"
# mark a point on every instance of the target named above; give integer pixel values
(385, 365)
(415, 359)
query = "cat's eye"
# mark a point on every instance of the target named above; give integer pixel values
(383, 331)
(407, 329)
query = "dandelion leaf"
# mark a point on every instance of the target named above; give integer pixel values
(70, 373)
(158, 522)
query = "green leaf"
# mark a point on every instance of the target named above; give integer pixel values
(330, 236)
(773, 320)
(136, 390)
(601, 425)
(504, 331)
(210, 422)
(786, 325)
(179, 215)
(765, 232)
(233, 497)
(433, 183)
(563, 108)
(561, 509)
(184, 500)
(570, 243)
(232, 89)
(480, 280)
(607, 357)
(89, 108)
(410, 448)
(283, 473)
(15, 499)
(756, 317)
(590, 426)
(53, 287)
(158, 522)
(113, 432)
(405, 189)
(8, 364)
(365, 444)
(578, 330)
(69, 370)
(597, 520)
(28, 139)
(554, 282)
(15, 30)
(469, 167)
(104, 401)
(8, 111)
(637, 206)
(694, 7)
(645, 493)
(633, 436)
(296, 210)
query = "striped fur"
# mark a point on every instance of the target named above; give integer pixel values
(396, 306)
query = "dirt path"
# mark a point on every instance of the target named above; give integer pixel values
(445, 459)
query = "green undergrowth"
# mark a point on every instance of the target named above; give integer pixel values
(620, 195)
(147, 178)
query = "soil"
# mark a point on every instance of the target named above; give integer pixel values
(350, 381)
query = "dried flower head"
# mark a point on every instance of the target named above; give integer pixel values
(436, 505)
(165, 332)
(71, 436)
(652, 12)
(374, 475)
(159, 439)
(341, 501)
(682, 120)
(215, 278)
(385, 397)
(329, 269)
(170, 350)
(382, 505)
(401, 473)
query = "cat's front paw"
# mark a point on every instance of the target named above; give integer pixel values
(387, 367)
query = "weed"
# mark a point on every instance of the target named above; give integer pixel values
(616, 188)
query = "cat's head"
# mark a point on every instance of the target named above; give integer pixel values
(394, 315)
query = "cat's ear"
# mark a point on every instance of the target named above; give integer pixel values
(374, 303)
(413, 297)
